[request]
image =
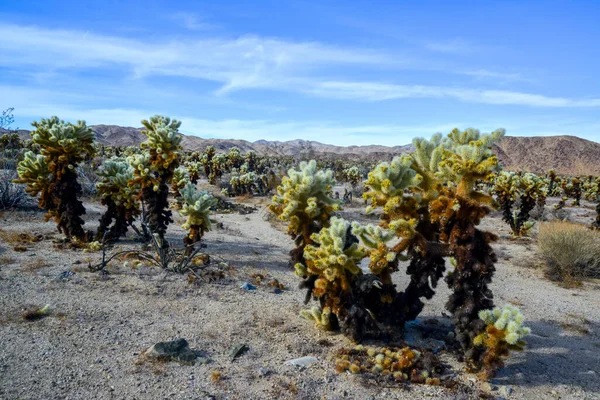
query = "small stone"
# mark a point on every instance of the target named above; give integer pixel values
(277, 291)
(264, 372)
(302, 361)
(506, 391)
(237, 350)
(248, 286)
(175, 350)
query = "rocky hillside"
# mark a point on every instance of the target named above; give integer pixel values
(566, 154)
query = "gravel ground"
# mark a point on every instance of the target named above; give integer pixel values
(90, 345)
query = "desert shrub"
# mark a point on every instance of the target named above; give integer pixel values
(88, 179)
(12, 195)
(572, 251)
(560, 213)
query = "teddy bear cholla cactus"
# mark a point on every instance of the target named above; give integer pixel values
(304, 201)
(467, 158)
(195, 205)
(403, 190)
(504, 332)
(154, 169)
(52, 172)
(119, 196)
(430, 200)
(529, 189)
(181, 177)
(333, 260)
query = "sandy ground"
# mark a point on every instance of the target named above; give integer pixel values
(99, 325)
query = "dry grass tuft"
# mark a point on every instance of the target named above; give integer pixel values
(577, 324)
(572, 251)
(19, 238)
(35, 264)
(5, 260)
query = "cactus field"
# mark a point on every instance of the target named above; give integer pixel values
(432, 274)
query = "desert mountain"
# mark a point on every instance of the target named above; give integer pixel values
(568, 155)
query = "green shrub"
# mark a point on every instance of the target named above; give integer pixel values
(572, 251)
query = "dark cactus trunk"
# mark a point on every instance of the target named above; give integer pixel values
(469, 281)
(69, 208)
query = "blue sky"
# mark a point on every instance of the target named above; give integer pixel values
(347, 72)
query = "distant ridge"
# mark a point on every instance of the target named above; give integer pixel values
(569, 155)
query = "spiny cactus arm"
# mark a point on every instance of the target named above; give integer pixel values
(467, 158)
(144, 171)
(196, 206)
(164, 140)
(304, 196)
(376, 241)
(334, 258)
(33, 171)
(321, 317)
(504, 331)
(62, 142)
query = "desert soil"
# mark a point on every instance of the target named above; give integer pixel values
(90, 344)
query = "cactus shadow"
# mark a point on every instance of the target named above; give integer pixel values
(557, 355)
(256, 255)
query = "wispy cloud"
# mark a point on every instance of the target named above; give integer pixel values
(192, 21)
(371, 91)
(247, 62)
(244, 62)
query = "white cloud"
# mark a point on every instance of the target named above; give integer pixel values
(372, 91)
(247, 62)
(191, 21)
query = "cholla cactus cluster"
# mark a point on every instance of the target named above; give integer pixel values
(181, 177)
(333, 259)
(33, 170)
(431, 200)
(119, 194)
(304, 201)
(529, 189)
(62, 147)
(195, 205)
(431, 203)
(504, 331)
(154, 170)
(353, 176)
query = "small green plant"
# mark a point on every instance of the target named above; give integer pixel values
(52, 172)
